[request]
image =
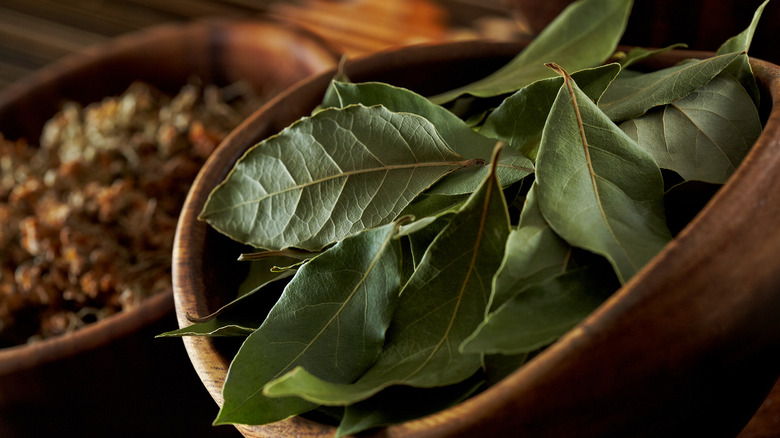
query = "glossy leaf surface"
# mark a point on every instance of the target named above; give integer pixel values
(331, 318)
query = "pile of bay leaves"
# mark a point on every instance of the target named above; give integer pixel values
(429, 252)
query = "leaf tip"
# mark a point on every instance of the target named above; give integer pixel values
(557, 69)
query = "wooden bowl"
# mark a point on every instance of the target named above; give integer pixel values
(269, 56)
(688, 348)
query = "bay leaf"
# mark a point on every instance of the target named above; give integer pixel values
(215, 327)
(512, 167)
(520, 118)
(262, 273)
(533, 254)
(432, 205)
(596, 188)
(244, 314)
(583, 35)
(331, 98)
(499, 366)
(703, 136)
(456, 133)
(404, 403)
(637, 54)
(627, 98)
(539, 315)
(442, 303)
(459, 136)
(741, 43)
(329, 176)
(331, 318)
(423, 232)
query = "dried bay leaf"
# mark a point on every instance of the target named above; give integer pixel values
(741, 43)
(533, 254)
(424, 233)
(637, 54)
(329, 176)
(583, 35)
(540, 314)
(520, 118)
(215, 327)
(596, 188)
(331, 318)
(703, 136)
(627, 98)
(455, 132)
(246, 312)
(442, 303)
(512, 167)
(432, 205)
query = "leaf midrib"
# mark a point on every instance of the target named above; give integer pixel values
(591, 170)
(389, 168)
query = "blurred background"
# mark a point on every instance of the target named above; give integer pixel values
(35, 33)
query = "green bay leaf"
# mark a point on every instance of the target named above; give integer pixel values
(329, 176)
(627, 98)
(741, 43)
(214, 327)
(244, 314)
(441, 304)
(583, 35)
(458, 135)
(703, 136)
(331, 318)
(533, 254)
(520, 118)
(539, 315)
(637, 54)
(596, 188)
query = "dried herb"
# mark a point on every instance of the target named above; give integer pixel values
(449, 251)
